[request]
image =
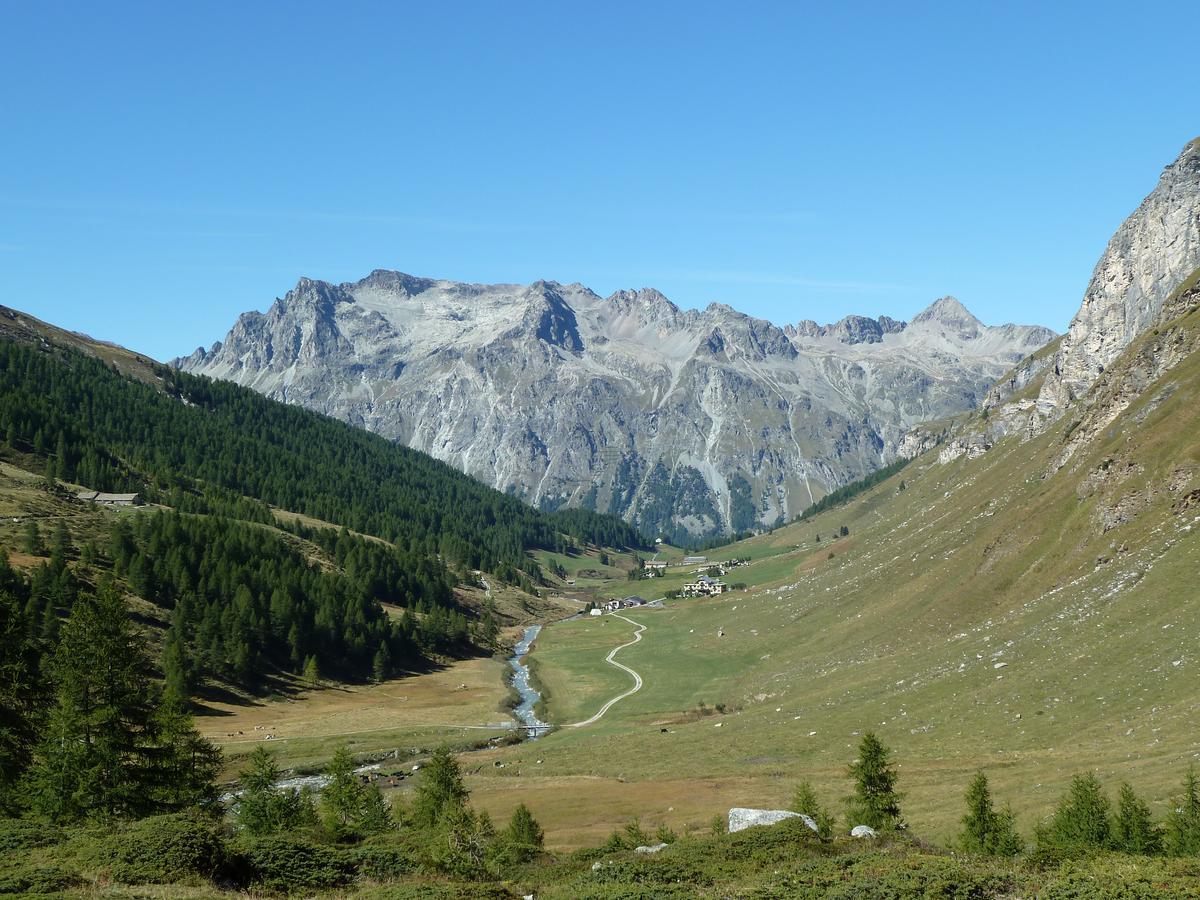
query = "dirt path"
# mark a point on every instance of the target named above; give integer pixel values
(637, 679)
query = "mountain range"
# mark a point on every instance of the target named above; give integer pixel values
(688, 423)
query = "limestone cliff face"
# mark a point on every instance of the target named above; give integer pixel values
(688, 422)
(1151, 254)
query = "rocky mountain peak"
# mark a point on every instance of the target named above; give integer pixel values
(857, 330)
(1151, 254)
(689, 422)
(947, 311)
(389, 281)
(548, 317)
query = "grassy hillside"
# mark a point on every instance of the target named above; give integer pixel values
(1007, 612)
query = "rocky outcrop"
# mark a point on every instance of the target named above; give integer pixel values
(1148, 258)
(687, 422)
(1147, 361)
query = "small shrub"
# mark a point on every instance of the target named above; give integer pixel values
(38, 880)
(166, 849)
(19, 834)
(380, 863)
(286, 865)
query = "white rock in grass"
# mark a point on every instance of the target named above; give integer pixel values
(741, 818)
(652, 848)
(862, 831)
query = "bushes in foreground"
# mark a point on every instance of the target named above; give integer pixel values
(285, 842)
(163, 849)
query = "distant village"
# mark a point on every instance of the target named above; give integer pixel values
(709, 574)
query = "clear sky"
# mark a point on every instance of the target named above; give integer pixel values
(164, 168)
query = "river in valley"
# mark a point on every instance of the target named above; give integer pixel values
(534, 726)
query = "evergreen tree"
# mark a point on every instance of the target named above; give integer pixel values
(312, 673)
(32, 540)
(1183, 822)
(60, 550)
(176, 671)
(187, 764)
(987, 831)
(21, 694)
(461, 840)
(635, 835)
(439, 788)
(95, 759)
(805, 801)
(524, 834)
(1134, 830)
(1081, 822)
(381, 666)
(875, 801)
(342, 798)
(262, 808)
(374, 817)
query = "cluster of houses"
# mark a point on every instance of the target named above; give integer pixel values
(657, 568)
(616, 605)
(704, 586)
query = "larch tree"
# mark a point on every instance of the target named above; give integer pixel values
(875, 801)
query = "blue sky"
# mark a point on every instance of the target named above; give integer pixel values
(163, 168)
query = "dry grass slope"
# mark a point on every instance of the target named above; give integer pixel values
(998, 612)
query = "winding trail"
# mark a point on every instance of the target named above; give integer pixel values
(637, 679)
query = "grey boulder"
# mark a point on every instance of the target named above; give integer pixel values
(741, 818)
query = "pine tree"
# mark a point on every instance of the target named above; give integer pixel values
(461, 840)
(374, 817)
(186, 764)
(177, 676)
(312, 673)
(635, 835)
(381, 666)
(262, 808)
(61, 548)
(1081, 822)
(987, 831)
(100, 720)
(1183, 822)
(805, 801)
(1134, 830)
(977, 823)
(874, 801)
(32, 540)
(21, 691)
(341, 802)
(524, 834)
(439, 788)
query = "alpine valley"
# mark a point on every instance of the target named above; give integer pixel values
(255, 646)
